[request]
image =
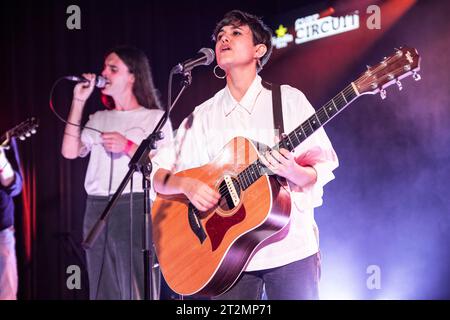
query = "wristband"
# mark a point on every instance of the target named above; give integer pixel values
(3, 168)
(128, 146)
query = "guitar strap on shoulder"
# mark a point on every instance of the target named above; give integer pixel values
(277, 117)
(276, 106)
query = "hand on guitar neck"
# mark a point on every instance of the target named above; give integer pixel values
(199, 193)
(283, 163)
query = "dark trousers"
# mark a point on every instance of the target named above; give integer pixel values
(298, 280)
(108, 261)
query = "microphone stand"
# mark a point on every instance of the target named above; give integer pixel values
(140, 162)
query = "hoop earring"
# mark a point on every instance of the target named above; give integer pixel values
(259, 64)
(215, 73)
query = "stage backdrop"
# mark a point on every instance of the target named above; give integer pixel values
(385, 219)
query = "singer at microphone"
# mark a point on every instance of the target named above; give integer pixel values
(110, 137)
(205, 57)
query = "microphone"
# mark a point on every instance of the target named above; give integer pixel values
(206, 57)
(100, 82)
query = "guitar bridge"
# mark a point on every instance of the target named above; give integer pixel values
(232, 190)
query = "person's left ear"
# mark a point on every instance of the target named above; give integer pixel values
(261, 50)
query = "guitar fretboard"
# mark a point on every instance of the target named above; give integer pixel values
(290, 141)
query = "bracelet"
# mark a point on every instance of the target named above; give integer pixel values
(128, 146)
(72, 135)
(79, 99)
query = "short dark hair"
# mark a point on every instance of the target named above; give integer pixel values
(144, 88)
(261, 32)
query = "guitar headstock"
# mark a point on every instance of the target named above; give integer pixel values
(22, 131)
(404, 62)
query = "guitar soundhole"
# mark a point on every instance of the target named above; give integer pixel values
(230, 198)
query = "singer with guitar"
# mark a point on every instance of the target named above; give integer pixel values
(201, 222)
(112, 137)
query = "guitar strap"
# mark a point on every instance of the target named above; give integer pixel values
(276, 106)
(277, 116)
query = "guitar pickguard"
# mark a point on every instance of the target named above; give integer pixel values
(217, 226)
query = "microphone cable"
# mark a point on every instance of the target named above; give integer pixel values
(56, 113)
(105, 243)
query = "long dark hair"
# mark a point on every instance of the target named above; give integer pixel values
(143, 88)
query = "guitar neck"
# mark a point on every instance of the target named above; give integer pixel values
(290, 141)
(318, 119)
(21, 131)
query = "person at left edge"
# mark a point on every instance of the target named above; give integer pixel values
(10, 186)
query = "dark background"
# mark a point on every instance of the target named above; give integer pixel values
(388, 206)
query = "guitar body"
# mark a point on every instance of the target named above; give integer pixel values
(205, 252)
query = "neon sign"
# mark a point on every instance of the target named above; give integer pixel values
(313, 27)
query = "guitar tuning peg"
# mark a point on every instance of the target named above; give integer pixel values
(416, 76)
(399, 84)
(383, 94)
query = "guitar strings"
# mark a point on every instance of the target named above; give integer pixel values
(339, 98)
(245, 175)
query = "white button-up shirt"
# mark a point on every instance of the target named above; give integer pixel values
(203, 134)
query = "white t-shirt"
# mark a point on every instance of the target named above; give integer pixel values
(135, 125)
(201, 137)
